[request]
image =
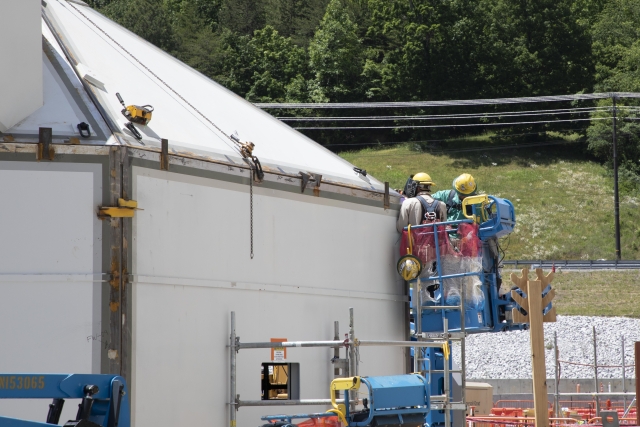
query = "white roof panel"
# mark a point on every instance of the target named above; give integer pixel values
(186, 102)
(66, 104)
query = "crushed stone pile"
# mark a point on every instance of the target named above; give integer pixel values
(508, 354)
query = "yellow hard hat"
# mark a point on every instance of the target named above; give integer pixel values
(423, 178)
(465, 184)
(409, 267)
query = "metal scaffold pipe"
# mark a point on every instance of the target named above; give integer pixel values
(624, 375)
(338, 344)
(594, 394)
(282, 402)
(447, 378)
(353, 369)
(232, 358)
(556, 403)
(336, 354)
(595, 370)
(242, 346)
(371, 343)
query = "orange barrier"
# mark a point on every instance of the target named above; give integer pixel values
(321, 422)
(501, 421)
(523, 404)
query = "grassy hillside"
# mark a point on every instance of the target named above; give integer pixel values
(563, 201)
(598, 293)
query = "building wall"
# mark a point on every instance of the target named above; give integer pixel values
(314, 258)
(50, 281)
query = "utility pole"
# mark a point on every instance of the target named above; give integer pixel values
(616, 198)
(534, 305)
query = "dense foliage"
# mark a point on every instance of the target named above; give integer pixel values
(402, 50)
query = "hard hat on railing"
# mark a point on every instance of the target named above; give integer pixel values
(465, 185)
(409, 266)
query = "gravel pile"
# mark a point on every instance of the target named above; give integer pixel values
(508, 354)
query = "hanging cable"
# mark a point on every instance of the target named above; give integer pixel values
(452, 103)
(446, 126)
(245, 149)
(251, 211)
(447, 116)
(150, 71)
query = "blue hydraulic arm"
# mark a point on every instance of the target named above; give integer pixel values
(105, 401)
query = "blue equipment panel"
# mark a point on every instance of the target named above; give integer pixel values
(396, 391)
(105, 399)
(393, 401)
(500, 222)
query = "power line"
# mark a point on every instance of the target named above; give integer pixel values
(460, 139)
(414, 104)
(447, 116)
(444, 126)
(474, 149)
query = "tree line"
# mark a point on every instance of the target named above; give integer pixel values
(404, 50)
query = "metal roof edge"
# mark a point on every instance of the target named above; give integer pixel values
(375, 197)
(49, 21)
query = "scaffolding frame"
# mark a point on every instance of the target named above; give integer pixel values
(596, 394)
(352, 343)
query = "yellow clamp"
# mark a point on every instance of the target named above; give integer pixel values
(446, 351)
(125, 209)
(481, 199)
(351, 383)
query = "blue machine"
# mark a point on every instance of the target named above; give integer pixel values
(493, 314)
(105, 401)
(397, 400)
(495, 218)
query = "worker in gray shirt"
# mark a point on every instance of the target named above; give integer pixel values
(419, 207)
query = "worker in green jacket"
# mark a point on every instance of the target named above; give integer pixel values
(463, 186)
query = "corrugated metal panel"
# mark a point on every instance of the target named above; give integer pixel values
(118, 61)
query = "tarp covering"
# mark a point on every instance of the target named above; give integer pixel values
(464, 255)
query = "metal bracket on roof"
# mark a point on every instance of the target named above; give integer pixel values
(45, 150)
(306, 177)
(386, 201)
(304, 180)
(164, 155)
(125, 209)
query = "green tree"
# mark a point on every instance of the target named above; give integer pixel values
(616, 37)
(535, 47)
(335, 57)
(297, 19)
(616, 47)
(277, 65)
(242, 16)
(145, 18)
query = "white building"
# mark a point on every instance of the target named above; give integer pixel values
(150, 297)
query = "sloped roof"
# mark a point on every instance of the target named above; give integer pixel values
(193, 112)
(66, 103)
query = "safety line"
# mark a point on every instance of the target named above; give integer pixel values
(233, 146)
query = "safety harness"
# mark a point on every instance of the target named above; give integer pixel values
(429, 210)
(451, 204)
